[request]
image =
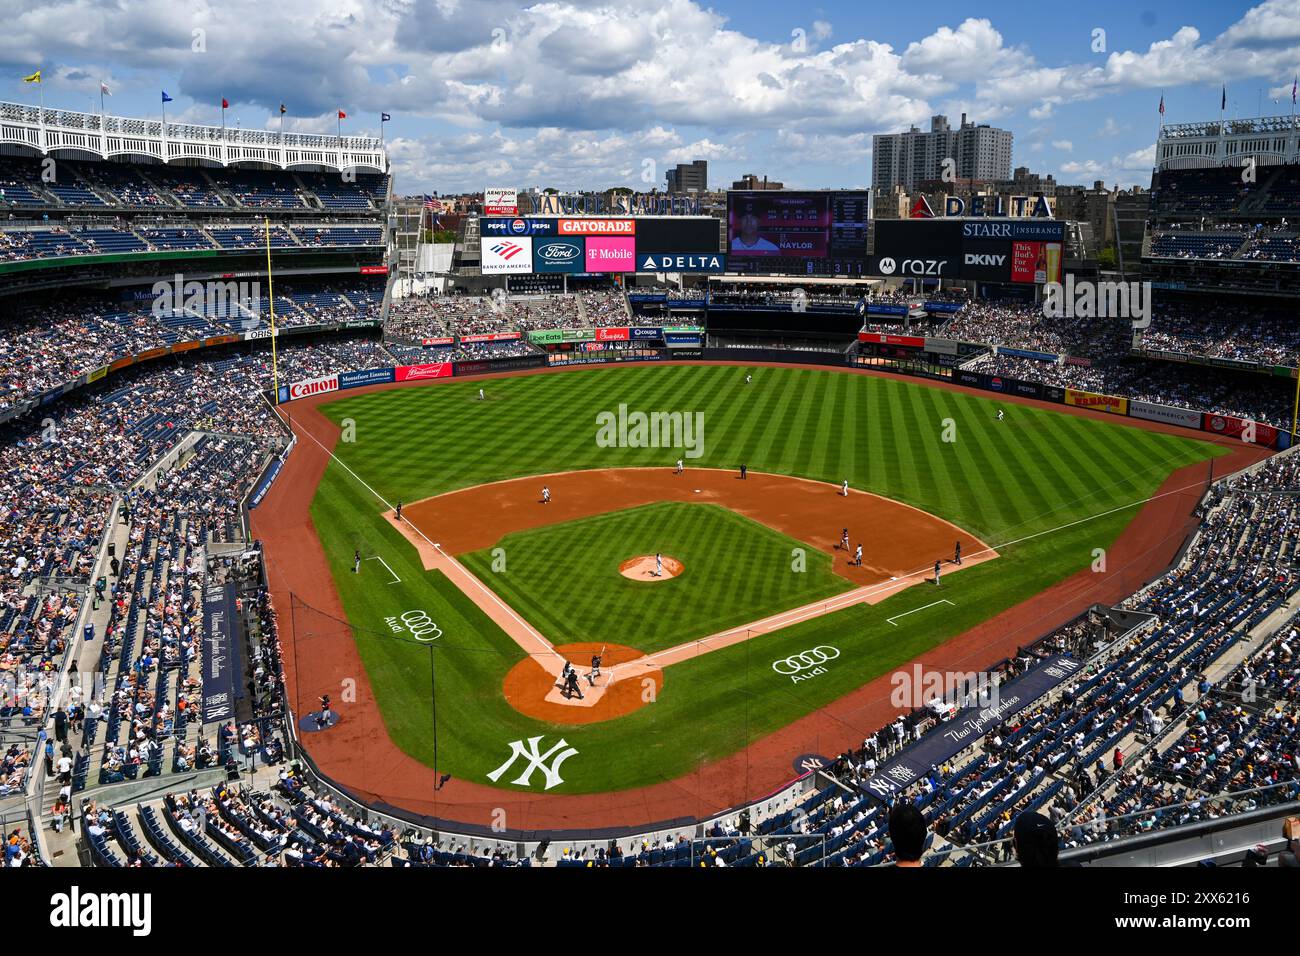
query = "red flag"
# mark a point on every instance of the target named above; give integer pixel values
(1162, 104)
(342, 115)
(225, 103)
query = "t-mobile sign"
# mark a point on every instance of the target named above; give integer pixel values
(611, 254)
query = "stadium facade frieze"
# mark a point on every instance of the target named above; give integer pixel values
(617, 204)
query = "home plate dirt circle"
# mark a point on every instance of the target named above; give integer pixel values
(643, 568)
(528, 683)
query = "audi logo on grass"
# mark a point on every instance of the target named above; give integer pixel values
(416, 623)
(806, 664)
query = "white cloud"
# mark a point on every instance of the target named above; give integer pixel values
(1064, 145)
(615, 76)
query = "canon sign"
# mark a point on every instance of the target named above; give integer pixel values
(314, 386)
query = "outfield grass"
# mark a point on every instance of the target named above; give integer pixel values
(565, 579)
(1008, 482)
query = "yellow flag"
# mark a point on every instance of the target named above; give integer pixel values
(34, 78)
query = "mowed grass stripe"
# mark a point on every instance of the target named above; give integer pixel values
(967, 482)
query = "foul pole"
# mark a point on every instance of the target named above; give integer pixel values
(270, 297)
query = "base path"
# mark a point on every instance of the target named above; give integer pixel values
(359, 756)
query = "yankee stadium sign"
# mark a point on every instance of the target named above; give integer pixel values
(619, 204)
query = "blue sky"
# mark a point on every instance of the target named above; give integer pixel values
(583, 94)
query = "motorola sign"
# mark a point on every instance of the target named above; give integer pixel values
(889, 266)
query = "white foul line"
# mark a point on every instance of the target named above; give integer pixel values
(396, 579)
(891, 620)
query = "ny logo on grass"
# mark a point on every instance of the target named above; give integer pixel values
(536, 761)
(624, 429)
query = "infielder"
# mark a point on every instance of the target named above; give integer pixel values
(857, 557)
(938, 567)
(956, 556)
(844, 488)
(844, 540)
(546, 494)
(680, 467)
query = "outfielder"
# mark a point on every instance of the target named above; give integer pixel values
(481, 396)
(356, 562)
(1001, 414)
(748, 379)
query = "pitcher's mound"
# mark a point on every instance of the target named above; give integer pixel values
(528, 685)
(643, 568)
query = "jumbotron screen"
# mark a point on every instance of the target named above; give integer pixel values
(798, 233)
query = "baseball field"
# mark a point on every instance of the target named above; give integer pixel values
(461, 612)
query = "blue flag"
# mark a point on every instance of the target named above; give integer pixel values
(384, 117)
(166, 98)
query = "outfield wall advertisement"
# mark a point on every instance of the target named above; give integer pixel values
(1102, 403)
(1151, 412)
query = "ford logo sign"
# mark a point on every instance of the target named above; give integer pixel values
(558, 252)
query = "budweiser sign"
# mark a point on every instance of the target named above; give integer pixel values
(413, 373)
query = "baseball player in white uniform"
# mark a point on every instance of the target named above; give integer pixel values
(680, 467)
(659, 565)
(844, 488)
(481, 396)
(546, 495)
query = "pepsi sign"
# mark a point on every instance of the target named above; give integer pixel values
(518, 226)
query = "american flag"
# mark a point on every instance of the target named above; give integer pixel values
(434, 205)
